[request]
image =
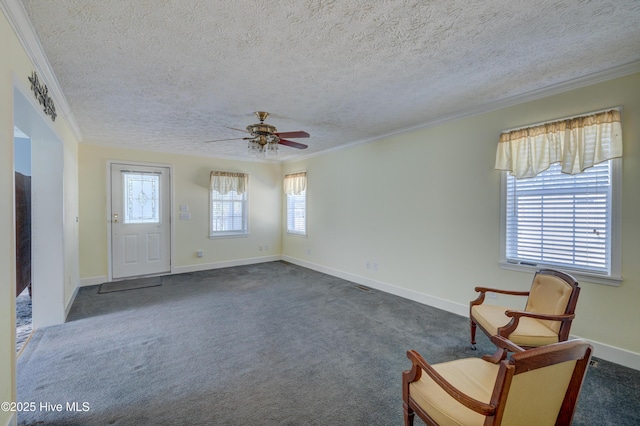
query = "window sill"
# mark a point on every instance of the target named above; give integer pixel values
(229, 235)
(578, 275)
(297, 234)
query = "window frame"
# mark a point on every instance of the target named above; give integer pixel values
(286, 207)
(245, 216)
(614, 278)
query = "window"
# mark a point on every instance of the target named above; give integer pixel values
(564, 221)
(141, 197)
(229, 205)
(295, 187)
(561, 196)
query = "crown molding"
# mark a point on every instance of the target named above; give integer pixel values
(577, 83)
(19, 20)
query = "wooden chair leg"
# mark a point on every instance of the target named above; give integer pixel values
(408, 415)
(473, 335)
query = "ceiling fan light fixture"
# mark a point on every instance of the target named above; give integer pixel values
(271, 149)
(264, 145)
(265, 138)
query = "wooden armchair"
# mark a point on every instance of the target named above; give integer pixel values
(538, 387)
(546, 318)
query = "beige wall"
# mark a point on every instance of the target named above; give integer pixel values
(15, 64)
(191, 187)
(7, 245)
(425, 206)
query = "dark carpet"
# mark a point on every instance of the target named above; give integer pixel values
(23, 319)
(266, 344)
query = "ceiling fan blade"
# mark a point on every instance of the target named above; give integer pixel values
(230, 139)
(298, 134)
(233, 128)
(293, 144)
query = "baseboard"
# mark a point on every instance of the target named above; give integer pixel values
(67, 308)
(86, 282)
(425, 299)
(600, 350)
(613, 354)
(225, 264)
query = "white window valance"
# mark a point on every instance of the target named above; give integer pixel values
(577, 143)
(295, 183)
(225, 182)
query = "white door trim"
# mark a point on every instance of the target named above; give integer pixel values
(47, 208)
(108, 216)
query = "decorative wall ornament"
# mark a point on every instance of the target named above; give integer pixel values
(42, 95)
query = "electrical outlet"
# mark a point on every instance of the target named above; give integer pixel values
(367, 264)
(492, 295)
(375, 266)
(199, 253)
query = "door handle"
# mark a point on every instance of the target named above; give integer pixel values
(115, 218)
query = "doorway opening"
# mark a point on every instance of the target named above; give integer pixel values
(47, 249)
(22, 172)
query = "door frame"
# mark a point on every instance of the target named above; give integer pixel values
(48, 251)
(109, 213)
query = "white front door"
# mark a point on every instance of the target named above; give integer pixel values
(140, 220)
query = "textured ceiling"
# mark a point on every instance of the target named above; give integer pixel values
(171, 74)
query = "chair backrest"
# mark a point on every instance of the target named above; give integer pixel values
(553, 292)
(541, 386)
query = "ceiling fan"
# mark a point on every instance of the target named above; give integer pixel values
(265, 137)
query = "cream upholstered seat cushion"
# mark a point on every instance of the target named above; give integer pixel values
(473, 376)
(530, 331)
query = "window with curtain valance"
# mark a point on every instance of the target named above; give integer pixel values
(229, 204)
(295, 188)
(224, 182)
(561, 196)
(295, 183)
(576, 143)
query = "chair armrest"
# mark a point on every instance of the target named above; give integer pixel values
(504, 343)
(419, 363)
(510, 327)
(548, 317)
(497, 290)
(484, 290)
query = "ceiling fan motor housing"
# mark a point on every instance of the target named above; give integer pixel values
(261, 129)
(263, 133)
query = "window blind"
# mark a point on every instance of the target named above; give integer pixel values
(561, 220)
(296, 213)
